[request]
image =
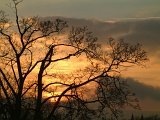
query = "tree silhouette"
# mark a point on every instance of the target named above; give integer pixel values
(142, 118)
(29, 52)
(132, 117)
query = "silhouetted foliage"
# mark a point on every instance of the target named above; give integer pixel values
(29, 51)
(142, 117)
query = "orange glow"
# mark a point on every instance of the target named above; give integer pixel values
(148, 75)
(54, 99)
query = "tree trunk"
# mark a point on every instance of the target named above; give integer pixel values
(38, 113)
(17, 109)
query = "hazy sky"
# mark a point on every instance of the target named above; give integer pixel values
(96, 9)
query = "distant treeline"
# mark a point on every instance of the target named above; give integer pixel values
(142, 117)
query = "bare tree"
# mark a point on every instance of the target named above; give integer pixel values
(29, 52)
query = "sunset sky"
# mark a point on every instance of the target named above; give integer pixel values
(134, 20)
(108, 10)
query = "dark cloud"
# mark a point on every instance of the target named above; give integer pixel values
(145, 31)
(149, 97)
(144, 91)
